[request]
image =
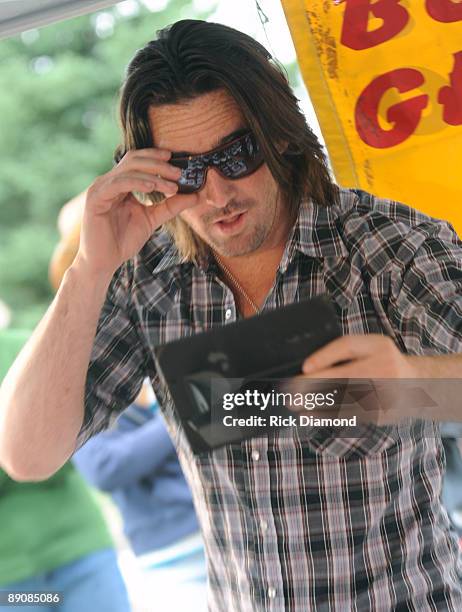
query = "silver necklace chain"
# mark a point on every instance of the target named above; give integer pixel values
(236, 283)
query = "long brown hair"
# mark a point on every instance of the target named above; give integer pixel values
(191, 58)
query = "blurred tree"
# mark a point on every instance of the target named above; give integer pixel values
(58, 128)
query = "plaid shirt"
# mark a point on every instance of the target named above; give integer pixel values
(296, 523)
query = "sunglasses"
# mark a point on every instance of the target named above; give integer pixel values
(233, 160)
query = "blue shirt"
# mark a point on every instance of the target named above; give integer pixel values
(136, 462)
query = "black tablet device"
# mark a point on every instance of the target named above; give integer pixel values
(244, 358)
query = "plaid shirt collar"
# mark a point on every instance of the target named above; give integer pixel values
(315, 234)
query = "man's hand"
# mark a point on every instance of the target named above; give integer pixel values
(115, 225)
(367, 367)
(356, 366)
(359, 356)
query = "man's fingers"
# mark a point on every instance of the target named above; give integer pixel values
(345, 348)
(120, 184)
(151, 164)
(154, 167)
(140, 170)
(154, 182)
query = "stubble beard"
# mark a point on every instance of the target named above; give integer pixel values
(236, 246)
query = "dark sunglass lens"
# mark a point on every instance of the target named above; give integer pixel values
(192, 174)
(240, 159)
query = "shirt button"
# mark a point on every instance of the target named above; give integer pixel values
(263, 526)
(271, 592)
(228, 314)
(255, 455)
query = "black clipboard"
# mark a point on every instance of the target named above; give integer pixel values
(250, 353)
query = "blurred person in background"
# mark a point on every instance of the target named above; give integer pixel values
(136, 462)
(53, 536)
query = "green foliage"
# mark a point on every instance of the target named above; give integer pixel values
(58, 129)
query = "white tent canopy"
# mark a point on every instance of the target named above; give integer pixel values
(19, 15)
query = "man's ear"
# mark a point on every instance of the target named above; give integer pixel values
(282, 147)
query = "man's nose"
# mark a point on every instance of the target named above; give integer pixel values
(217, 190)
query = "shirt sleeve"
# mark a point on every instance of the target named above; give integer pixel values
(426, 290)
(118, 362)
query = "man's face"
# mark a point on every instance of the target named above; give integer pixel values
(234, 217)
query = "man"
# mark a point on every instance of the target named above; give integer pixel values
(288, 523)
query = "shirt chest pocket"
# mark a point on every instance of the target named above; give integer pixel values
(320, 443)
(353, 429)
(355, 442)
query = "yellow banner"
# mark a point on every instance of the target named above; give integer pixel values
(385, 78)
